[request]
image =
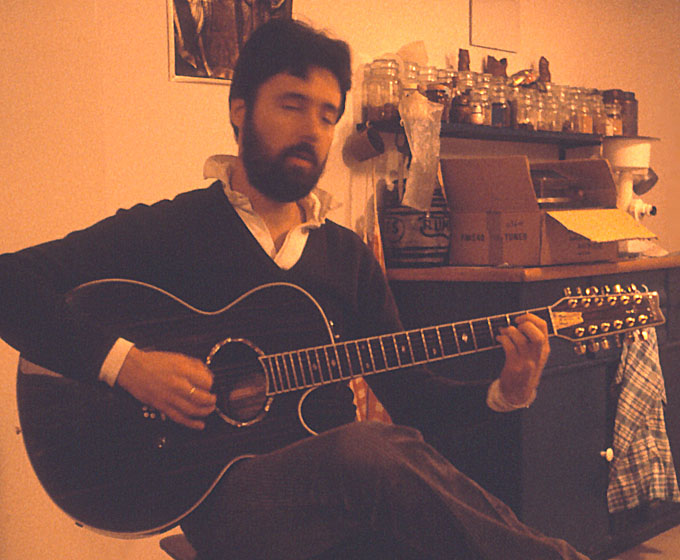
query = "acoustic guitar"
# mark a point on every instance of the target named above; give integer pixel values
(120, 467)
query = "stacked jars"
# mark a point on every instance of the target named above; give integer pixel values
(500, 108)
(621, 109)
(612, 107)
(439, 87)
(382, 91)
(474, 98)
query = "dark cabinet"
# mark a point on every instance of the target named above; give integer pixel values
(548, 462)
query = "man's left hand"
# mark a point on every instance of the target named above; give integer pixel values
(526, 349)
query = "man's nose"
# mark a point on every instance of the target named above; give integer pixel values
(311, 126)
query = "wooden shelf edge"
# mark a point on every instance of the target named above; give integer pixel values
(530, 274)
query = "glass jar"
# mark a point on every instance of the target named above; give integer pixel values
(460, 105)
(480, 106)
(526, 116)
(500, 110)
(598, 112)
(382, 91)
(629, 114)
(426, 75)
(612, 106)
(441, 90)
(585, 113)
(547, 111)
(570, 112)
(482, 96)
(560, 95)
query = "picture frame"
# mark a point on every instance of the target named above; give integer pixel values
(495, 24)
(205, 36)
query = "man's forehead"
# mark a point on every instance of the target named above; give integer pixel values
(317, 80)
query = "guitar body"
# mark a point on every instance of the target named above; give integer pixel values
(119, 467)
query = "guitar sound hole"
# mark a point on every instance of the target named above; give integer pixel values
(239, 382)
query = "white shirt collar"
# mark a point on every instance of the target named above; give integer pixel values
(316, 205)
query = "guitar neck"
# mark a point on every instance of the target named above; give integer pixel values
(321, 365)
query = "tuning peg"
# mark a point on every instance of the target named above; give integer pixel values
(580, 348)
(592, 291)
(604, 343)
(631, 288)
(579, 291)
(617, 289)
(593, 346)
(567, 291)
(642, 319)
(644, 334)
(579, 332)
(606, 289)
(592, 330)
(604, 327)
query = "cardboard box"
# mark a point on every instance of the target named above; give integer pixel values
(496, 218)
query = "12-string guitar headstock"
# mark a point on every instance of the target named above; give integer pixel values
(594, 318)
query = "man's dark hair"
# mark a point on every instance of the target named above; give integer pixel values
(285, 45)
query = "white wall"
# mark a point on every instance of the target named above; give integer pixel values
(91, 123)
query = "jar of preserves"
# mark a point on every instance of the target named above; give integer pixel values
(441, 91)
(598, 112)
(612, 106)
(500, 109)
(629, 114)
(585, 112)
(526, 115)
(382, 91)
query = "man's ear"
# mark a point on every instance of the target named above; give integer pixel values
(237, 112)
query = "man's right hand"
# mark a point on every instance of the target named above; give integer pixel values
(175, 384)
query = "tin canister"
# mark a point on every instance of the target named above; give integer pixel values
(412, 238)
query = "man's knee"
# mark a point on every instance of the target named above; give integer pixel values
(367, 448)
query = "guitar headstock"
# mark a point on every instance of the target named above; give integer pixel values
(595, 317)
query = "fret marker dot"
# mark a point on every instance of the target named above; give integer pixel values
(465, 337)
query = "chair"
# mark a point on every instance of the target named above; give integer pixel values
(178, 547)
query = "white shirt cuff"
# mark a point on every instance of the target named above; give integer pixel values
(114, 361)
(495, 399)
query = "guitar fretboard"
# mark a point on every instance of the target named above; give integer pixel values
(321, 365)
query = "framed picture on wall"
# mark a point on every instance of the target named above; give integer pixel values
(205, 36)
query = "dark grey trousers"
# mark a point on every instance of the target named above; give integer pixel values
(365, 490)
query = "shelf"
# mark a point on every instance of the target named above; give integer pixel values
(494, 133)
(530, 274)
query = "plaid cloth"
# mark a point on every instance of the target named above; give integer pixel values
(642, 469)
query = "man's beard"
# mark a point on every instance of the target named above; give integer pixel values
(272, 176)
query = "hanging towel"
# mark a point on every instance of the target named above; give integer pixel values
(642, 468)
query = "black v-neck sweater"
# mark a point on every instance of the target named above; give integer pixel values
(198, 249)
